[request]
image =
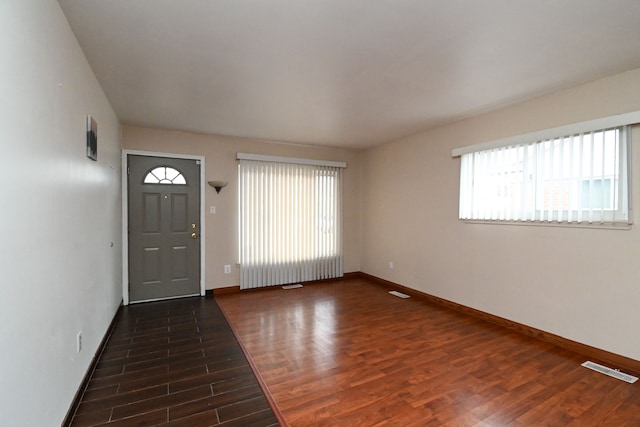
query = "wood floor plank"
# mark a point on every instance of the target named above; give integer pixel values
(347, 353)
(161, 402)
(213, 402)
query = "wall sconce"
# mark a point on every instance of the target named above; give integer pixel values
(218, 185)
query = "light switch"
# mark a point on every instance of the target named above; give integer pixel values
(212, 209)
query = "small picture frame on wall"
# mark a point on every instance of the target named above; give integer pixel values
(92, 138)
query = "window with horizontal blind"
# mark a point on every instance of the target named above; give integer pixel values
(579, 178)
(290, 218)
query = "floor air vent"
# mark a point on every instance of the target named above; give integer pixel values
(611, 372)
(399, 294)
(292, 286)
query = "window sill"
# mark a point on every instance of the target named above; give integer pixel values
(596, 226)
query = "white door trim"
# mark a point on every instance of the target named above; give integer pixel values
(125, 216)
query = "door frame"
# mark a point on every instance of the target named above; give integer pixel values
(125, 215)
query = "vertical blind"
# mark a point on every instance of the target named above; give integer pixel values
(576, 178)
(290, 223)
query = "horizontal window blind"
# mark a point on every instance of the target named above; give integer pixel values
(290, 223)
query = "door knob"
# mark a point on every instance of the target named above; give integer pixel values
(194, 236)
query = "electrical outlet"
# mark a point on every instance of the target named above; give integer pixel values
(227, 269)
(391, 265)
(79, 341)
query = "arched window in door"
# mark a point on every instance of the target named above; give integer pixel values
(164, 175)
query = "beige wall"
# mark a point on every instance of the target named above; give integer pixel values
(220, 159)
(401, 202)
(582, 284)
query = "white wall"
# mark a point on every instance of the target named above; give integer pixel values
(60, 214)
(582, 284)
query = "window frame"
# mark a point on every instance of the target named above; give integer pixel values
(622, 122)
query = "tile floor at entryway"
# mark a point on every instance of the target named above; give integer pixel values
(173, 363)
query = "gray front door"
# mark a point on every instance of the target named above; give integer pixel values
(164, 227)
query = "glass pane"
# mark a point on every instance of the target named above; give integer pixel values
(171, 173)
(151, 178)
(164, 175)
(559, 179)
(598, 196)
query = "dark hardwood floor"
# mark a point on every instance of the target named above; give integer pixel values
(173, 363)
(347, 353)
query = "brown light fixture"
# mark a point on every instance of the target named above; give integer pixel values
(218, 185)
